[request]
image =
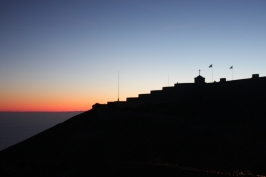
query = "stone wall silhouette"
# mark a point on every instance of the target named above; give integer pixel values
(175, 93)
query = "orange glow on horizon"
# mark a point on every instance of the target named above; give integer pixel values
(50, 100)
(47, 106)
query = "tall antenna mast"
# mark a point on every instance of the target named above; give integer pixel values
(118, 86)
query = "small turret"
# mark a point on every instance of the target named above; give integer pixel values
(255, 76)
(222, 80)
(199, 79)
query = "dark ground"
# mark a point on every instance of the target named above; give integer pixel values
(207, 132)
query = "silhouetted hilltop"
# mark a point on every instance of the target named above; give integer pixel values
(209, 129)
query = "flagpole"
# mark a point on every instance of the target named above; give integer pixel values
(232, 67)
(232, 73)
(212, 73)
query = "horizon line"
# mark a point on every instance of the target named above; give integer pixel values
(40, 111)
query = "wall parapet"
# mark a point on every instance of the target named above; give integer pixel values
(179, 90)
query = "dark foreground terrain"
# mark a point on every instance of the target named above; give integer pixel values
(206, 133)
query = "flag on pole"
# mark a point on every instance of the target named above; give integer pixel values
(231, 67)
(210, 66)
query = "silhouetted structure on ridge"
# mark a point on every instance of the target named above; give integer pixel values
(180, 90)
(199, 80)
(222, 80)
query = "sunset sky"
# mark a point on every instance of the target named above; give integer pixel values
(64, 55)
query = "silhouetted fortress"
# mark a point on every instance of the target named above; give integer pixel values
(179, 91)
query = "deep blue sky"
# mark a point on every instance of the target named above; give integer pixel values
(70, 51)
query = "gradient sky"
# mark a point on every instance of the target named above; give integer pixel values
(65, 55)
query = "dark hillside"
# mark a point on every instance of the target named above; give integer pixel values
(213, 129)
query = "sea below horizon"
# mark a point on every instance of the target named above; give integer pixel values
(18, 126)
